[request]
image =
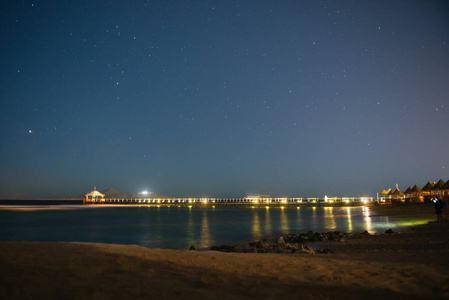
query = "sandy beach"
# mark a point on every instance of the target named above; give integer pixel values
(407, 265)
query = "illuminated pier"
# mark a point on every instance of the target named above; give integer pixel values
(240, 201)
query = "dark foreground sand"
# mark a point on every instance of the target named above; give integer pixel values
(408, 265)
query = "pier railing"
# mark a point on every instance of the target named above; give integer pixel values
(241, 201)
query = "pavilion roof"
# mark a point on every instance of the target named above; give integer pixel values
(415, 189)
(446, 185)
(438, 185)
(385, 192)
(429, 185)
(95, 193)
(397, 192)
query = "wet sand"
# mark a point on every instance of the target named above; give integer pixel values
(408, 265)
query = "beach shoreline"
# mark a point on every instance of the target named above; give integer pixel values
(409, 264)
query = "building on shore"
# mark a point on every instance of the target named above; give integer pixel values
(445, 188)
(417, 194)
(94, 196)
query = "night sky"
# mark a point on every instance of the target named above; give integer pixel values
(222, 98)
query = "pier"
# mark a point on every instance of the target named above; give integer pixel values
(316, 201)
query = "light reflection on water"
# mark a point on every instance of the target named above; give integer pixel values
(267, 224)
(367, 219)
(179, 227)
(349, 220)
(329, 218)
(256, 225)
(284, 221)
(206, 238)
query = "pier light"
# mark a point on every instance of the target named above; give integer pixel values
(364, 199)
(284, 200)
(144, 192)
(205, 200)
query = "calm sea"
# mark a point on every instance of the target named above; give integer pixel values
(175, 227)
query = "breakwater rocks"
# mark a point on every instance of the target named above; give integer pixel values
(263, 247)
(292, 243)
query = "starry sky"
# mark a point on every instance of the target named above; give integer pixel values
(221, 98)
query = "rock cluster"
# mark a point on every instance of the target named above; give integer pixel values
(263, 247)
(310, 236)
(293, 243)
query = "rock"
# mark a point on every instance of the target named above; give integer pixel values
(365, 233)
(271, 250)
(342, 235)
(260, 244)
(291, 246)
(356, 236)
(192, 247)
(389, 231)
(327, 251)
(247, 248)
(281, 241)
(291, 238)
(225, 248)
(303, 238)
(331, 236)
(307, 249)
(237, 248)
(215, 248)
(317, 236)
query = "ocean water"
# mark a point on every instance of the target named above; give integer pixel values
(176, 227)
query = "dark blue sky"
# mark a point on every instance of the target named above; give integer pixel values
(221, 98)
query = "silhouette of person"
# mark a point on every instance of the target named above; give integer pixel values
(439, 205)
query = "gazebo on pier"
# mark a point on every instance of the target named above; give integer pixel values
(94, 196)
